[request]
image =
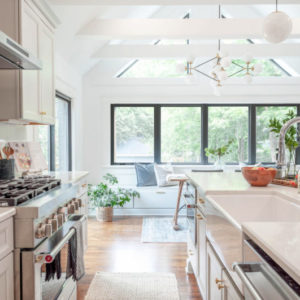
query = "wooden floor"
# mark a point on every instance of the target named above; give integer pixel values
(117, 247)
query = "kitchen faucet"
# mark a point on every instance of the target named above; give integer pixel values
(281, 148)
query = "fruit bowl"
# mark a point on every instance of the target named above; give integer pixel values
(259, 176)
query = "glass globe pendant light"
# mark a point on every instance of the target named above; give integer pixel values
(277, 26)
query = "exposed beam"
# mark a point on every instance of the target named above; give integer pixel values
(168, 2)
(185, 51)
(178, 29)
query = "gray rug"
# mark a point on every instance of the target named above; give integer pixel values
(160, 230)
(133, 286)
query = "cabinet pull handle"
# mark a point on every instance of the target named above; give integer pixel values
(221, 286)
(43, 113)
(219, 280)
(199, 217)
(201, 200)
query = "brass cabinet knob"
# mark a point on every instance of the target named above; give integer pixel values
(201, 200)
(199, 217)
(43, 113)
(218, 280)
(221, 286)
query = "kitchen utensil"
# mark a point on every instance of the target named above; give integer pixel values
(8, 151)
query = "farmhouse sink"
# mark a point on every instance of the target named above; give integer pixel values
(262, 207)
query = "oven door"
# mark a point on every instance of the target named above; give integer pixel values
(34, 285)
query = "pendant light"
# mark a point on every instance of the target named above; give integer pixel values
(277, 26)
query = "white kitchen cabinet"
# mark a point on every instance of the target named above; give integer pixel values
(201, 252)
(229, 291)
(7, 278)
(29, 95)
(214, 275)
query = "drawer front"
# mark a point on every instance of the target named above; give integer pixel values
(82, 187)
(6, 237)
(7, 278)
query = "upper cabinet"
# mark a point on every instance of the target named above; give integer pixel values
(29, 96)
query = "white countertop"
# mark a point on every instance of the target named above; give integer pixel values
(280, 240)
(68, 177)
(6, 212)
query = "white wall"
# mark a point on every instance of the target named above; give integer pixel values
(100, 92)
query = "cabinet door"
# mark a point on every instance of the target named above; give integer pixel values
(7, 278)
(46, 54)
(229, 291)
(30, 78)
(201, 247)
(214, 276)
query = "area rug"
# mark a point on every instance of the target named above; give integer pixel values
(133, 286)
(160, 230)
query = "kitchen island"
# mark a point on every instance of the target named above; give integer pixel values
(230, 211)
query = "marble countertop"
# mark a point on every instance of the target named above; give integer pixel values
(68, 177)
(280, 240)
(6, 212)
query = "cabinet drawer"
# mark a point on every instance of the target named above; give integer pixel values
(7, 278)
(6, 237)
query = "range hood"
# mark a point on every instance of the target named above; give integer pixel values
(13, 56)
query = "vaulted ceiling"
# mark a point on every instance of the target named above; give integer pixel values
(112, 33)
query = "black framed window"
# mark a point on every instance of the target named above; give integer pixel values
(56, 140)
(179, 133)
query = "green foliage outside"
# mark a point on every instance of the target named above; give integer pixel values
(106, 194)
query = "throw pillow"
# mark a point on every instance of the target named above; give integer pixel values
(145, 175)
(161, 173)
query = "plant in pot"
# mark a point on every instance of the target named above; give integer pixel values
(107, 194)
(218, 153)
(291, 140)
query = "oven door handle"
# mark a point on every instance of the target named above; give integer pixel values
(247, 283)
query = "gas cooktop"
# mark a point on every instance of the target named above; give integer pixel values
(17, 191)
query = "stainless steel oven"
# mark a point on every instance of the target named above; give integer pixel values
(33, 266)
(262, 278)
(190, 198)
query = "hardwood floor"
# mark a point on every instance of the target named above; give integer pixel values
(117, 247)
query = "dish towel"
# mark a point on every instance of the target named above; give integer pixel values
(75, 263)
(53, 268)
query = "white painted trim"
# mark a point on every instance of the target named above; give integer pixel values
(144, 29)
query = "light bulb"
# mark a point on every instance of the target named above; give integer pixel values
(212, 83)
(257, 68)
(247, 57)
(217, 68)
(248, 78)
(226, 62)
(277, 27)
(222, 75)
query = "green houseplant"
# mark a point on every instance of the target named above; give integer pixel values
(218, 153)
(291, 142)
(106, 195)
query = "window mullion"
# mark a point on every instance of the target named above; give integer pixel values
(298, 149)
(252, 134)
(204, 133)
(157, 134)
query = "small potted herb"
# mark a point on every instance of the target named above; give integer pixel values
(106, 195)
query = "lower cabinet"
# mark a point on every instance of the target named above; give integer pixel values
(201, 251)
(7, 278)
(229, 291)
(214, 275)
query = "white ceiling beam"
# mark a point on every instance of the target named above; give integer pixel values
(178, 29)
(168, 2)
(185, 51)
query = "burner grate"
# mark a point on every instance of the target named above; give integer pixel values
(17, 191)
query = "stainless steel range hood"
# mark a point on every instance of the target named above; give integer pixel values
(14, 56)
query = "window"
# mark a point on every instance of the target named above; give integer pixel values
(266, 141)
(62, 134)
(227, 124)
(134, 134)
(56, 140)
(181, 134)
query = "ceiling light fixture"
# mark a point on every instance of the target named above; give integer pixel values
(277, 26)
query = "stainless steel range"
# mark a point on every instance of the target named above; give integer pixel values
(46, 209)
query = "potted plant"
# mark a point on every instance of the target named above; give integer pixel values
(291, 142)
(106, 195)
(218, 153)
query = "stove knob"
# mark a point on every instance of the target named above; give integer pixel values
(60, 219)
(40, 232)
(79, 202)
(76, 204)
(54, 224)
(48, 230)
(71, 209)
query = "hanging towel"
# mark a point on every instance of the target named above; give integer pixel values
(53, 268)
(75, 263)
